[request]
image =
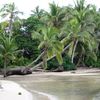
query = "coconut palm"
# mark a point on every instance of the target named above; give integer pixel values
(38, 13)
(49, 43)
(11, 11)
(7, 50)
(55, 16)
(79, 29)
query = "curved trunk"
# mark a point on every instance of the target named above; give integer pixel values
(73, 53)
(41, 63)
(45, 59)
(41, 55)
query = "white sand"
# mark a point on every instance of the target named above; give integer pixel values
(78, 72)
(49, 96)
(11, 91)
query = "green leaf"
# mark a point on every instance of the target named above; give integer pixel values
(50, 53)
(41, 45)
(58, 46)
(93, 56)
(59, 58)
(1, 56)
(36, 35)
(70, 51)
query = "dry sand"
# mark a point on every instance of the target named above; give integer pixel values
(44, 76)
(79, 71)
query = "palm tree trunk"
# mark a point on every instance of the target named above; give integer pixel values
(5, 67)
(41, 63)
(10, 25)
(79, 60)
(31, 64)
(45, 59)
(74, 48)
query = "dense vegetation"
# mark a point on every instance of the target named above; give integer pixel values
(65, 36)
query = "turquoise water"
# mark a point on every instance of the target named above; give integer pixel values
(62, 87)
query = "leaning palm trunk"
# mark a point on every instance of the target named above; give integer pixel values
(45, 60)
(41, 63)
(73, 53)
(40, 56)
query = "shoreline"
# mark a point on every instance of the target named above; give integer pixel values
(78, 72)
(37, 77)
(13, 91)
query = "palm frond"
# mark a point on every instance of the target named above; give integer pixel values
(37, 35)
(42, 44)
(59, 58)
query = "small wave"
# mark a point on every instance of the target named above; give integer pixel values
(50, 97)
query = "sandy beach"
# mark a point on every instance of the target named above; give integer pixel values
(26, 80)
(78, 72)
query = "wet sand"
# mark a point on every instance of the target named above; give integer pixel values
(35, 77)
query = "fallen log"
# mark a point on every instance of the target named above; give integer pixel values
(18, 71)
(29, 69)
(59, 69)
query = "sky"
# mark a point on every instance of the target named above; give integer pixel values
(27, 5)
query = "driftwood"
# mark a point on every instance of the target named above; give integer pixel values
(59, 69)
(18, 71)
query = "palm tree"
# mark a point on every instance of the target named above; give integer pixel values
(49, 43)
(38, 13)
(10, 10)
(7, 49)
(55, 16)
(79, 29)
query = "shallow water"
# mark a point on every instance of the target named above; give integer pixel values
(61, 87)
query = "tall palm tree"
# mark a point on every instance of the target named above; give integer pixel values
(55, 16)
(7, 49)
(11, 11)
(38, 13)
(49, 43)
(79, 28)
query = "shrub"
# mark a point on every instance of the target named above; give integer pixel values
(67, 65)
(91, 63)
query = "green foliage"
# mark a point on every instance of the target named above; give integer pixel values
(10, 11)
(67, 65)
(91, 63)
(55, 16)
(77, 27)
(7, 46)
(1, 63)
(47, 36)
(31, 24)
(52, 64)
(8, 50)
(29, 46)
(20, 61)
(38, 13)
